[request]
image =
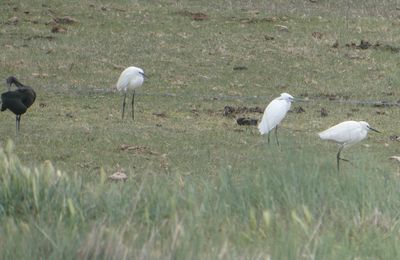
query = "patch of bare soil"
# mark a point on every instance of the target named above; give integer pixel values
(298, 110)
(12, 21)
(46, 37)
(232, 111)
(58, 23)
(196, 16)
(137, 149)
(246, 121)
(143, 150)
(58, 29)
(240, 68)
(160, 114)
(317, 35)
(384, 103)
(323, 112)
(255, 20)
(65, 20)
(332, 96)
(118, 176)
(365, 45)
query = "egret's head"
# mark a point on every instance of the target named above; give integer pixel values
(141, 72)
(286, 96)
(135, 71)
(367, 126)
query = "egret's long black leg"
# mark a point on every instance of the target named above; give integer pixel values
(123, 106)
(338, 157)
(133, 102)
(276, 135)
(268, 137)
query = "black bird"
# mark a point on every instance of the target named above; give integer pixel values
(19, 100)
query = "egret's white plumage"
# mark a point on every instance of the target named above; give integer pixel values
(274, 113)
(131, 78)
(346, 134)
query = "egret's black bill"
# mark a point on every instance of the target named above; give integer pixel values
(299, 100)
(144, 75)
(372, 129)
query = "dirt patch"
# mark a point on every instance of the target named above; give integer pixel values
(240, 68)
(196, 16)
(282, 28)
(317, 35)
(160, 114)
(137, 149)
(331, 96)
(365, 45)
(232, 111)
(107, 8)
(323, 112)
(58, 29)
(57, 23)
(384, 103)
(143, 150)
(269, 38)
(195, 112)
(299, 110)
(255, 20)
(42, 104)
(118, 176)
(65, 20)
(246, 121)
(69, 115)
(12, 21)
(45, 37)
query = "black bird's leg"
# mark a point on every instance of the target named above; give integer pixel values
(133, 102)
(123, 106)
(276, 135)
(17, 120)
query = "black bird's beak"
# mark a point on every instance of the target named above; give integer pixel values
(372, 129)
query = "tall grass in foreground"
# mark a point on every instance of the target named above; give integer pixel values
(292, 208)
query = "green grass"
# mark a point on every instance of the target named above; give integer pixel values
(199, 186)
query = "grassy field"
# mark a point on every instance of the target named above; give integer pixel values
(199, 185)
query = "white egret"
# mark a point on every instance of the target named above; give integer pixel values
(346, 134)
(130, 78)
(274, 113)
